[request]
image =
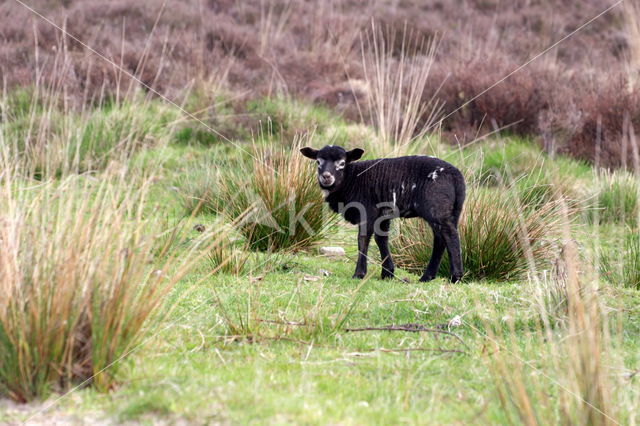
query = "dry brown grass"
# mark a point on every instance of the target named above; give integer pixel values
(80, 280)
(397, 66)
(560, 375)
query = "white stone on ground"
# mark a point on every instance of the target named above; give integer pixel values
(332, 251)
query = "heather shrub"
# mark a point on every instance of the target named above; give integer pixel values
(265, 49)
(514, 104)
(501, 236)
(607, 132)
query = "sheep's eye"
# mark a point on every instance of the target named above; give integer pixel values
(340, 164)
(319, 161)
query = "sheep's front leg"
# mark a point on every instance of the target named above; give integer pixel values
(382, 239)
(364, 237)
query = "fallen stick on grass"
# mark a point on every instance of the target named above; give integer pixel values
(412, 328)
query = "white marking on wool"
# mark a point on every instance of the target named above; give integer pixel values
(441, 168)
(394, 198)
(325, 193)
(433, 175)
(413, 186)
(402, 187)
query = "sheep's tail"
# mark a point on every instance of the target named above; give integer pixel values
(460, 189)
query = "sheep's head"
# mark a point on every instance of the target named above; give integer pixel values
(332, 162)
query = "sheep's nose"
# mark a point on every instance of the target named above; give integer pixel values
(326, 175)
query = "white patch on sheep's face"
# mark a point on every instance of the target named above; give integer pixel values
(330, 172)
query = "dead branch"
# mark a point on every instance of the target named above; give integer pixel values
(412, 328)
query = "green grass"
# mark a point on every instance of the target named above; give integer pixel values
(281, 119)
(621, 262)
(267, 342)
(196, 371)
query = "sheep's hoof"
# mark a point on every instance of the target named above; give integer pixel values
(425, 278)
(456, 278)
(359, 275)
(387, 274)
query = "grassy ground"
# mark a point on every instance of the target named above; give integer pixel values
(272, 345)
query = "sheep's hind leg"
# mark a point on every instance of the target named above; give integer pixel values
(382, 240)
(436, 257)
(452, 240)
(364, 237)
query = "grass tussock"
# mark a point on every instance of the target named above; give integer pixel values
(620, 264)
(501, 236)
(229, 257)
(617, 199)
(80, 282)
(277, 200)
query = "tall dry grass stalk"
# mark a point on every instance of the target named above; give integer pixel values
(80, 277)
(273, 23)
(396, 73)
(631, 20)
(561, 374)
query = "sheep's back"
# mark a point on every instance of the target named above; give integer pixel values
(402, 181)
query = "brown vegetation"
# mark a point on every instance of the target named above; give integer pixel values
(577, 93)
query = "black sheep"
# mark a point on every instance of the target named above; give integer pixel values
(371, 193)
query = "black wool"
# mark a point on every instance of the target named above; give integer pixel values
(372, 193)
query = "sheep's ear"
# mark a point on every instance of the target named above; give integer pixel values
(309, 152)
(354, 154)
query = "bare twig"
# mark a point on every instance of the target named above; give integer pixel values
(299, 324)
(413, 328)
(456, 351)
